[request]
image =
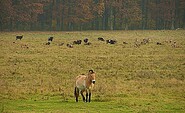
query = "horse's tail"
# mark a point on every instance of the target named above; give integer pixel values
(76, 93)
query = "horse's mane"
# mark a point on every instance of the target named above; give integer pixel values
(91, 71)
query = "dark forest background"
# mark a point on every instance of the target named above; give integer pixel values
(69, 15)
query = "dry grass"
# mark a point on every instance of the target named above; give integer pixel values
(151, 75)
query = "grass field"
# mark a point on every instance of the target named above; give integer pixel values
(35, 77)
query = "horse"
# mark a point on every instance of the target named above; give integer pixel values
(84, 83)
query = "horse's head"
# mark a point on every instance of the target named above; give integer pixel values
(92, 76)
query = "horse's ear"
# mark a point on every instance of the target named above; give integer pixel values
(91, 71)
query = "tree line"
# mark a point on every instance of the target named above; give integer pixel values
(69, 15)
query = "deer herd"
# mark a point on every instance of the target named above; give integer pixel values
(137, 43)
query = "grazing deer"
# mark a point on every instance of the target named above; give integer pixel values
(61, 44)
(19, 37)
(125, 43)
(48, 43)
(137, 43)
(50, 39)
(77, 42)
(159, 43)
(101, 39)
(69, 45)
(174, 44)
(111, 41)
(86, 40)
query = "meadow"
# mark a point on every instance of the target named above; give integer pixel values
(35, 77)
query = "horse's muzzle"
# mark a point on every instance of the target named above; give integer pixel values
(93, 81)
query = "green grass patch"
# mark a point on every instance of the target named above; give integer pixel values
(35, 77)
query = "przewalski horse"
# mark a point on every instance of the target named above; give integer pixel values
(84, 83)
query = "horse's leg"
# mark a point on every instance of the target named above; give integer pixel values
(89, 96)
(76, 92)
(82, 96)
(86, 96)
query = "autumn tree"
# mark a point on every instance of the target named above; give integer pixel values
(91, 14)
(6, 14)
(19, 12)
(77, 13)
(98, 11)
(144, 8)
(180, 14)
(130, 13)
(26, 12)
